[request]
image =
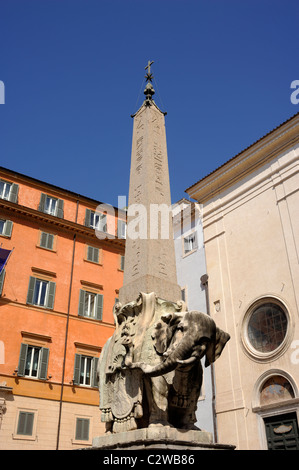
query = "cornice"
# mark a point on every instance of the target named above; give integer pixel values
(266, 149)
(59, 223)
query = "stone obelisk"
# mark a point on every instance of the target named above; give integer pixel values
(150, 256)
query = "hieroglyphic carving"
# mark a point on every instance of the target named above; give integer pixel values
(137, 250)
(158, 166)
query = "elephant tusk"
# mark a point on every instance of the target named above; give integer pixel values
(190, 360)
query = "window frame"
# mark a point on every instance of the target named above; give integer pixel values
(42, 363)
(195, 245)
(99, 301)
(7, 228)
(79, 439)
(49, 295)
(80, 362)
(27, 437)
(245, 340)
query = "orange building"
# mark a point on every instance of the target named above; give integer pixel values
(57, 292)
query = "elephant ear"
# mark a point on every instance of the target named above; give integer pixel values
(216, 347)
(163, 331)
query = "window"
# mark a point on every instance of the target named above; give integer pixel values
(85, 370)
(190, 243)
(93, 254)
(6, 228)
(9, 191)
(267, 327)
(25, 423)
(51, 205)
(46, 240)
(265, 332)
(121, 229)
(96, 220)
(90, 305)
(41, 293)
(82, 429)
(33, 361)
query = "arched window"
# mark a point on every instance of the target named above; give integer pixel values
(276, 389)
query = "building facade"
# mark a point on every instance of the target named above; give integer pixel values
(58, 289)
(191, 274)
(251, 239)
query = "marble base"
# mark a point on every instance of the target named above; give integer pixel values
(158, 437)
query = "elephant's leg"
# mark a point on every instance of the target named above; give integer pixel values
(159, 401)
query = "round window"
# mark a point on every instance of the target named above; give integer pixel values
(267, 327)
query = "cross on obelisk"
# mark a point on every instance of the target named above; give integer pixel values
(149, 76)
(150, 257)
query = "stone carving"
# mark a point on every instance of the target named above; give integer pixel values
(150, 370)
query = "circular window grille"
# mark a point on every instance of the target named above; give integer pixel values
(265, 329)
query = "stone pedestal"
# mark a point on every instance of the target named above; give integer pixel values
(158, 437)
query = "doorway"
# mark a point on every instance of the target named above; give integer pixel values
(282, 432)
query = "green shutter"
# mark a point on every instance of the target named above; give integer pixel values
(87, 217)
(82, 429)
(30, 293)
(81, 303)
(25, 423)
(60, 204)
(94, 379)
(7, 228)
(22, 359)
(77, 369)
(122, 262)
(43, 365)
(2, 276)
(14, 190)
(99, 314)
(93, 254)
(47, 240)
(42, 203)
(51, 295)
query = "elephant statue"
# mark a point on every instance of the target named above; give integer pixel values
(150, 371)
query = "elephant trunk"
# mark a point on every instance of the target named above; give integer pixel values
(181, 355)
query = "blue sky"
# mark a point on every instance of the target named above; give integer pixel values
(73, 71)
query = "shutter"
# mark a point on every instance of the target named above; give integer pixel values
(50, 241)
(60, 204)
(81, 303)
(93, 254)
(195, 245)
(30, 293)
(122, 262)
(104, 223)
(7, 228)
(76, 378)
(94, 379)
(14, 190)
(99, 313)
(43, 365)
(22, 359)
(43, 240)
(87, 217)
(51, 295)
(42, 203)
(82, 429)
(25, 423)
(2, 276)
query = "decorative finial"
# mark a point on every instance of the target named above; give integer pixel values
(149, 90)
(149, 75)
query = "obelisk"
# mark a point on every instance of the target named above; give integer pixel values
(150, 257)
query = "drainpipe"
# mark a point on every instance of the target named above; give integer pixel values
(66, 334)
(204, 282)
